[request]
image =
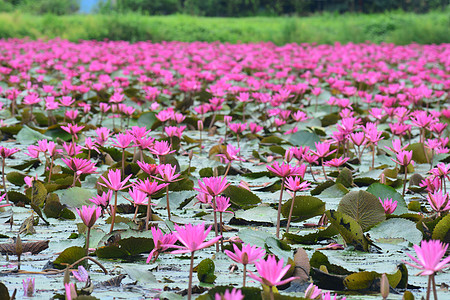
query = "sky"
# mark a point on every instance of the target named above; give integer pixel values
(86, 6)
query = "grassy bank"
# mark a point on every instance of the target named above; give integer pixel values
(398, 28)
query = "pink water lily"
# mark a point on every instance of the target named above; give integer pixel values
(248, 254)
(162, 242)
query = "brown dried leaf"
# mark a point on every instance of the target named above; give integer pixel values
(33, 247)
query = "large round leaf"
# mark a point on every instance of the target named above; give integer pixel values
(349, 229)
(363, 207)
(442, 230)
(388, 232)
(69, 256)
(383, 191)
(305, 207)
(241, 197)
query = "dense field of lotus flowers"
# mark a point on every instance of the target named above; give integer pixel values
(163, 170)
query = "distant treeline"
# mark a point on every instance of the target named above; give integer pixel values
(399, 28)
(226, 8)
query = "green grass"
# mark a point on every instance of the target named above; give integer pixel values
(398, 28)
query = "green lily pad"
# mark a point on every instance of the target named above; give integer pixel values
(383, 191)
(205, 271)
(335, 191)
(39, 193)
(254, 237)
(388, 232)
(442, 230)
(69, 256)
(345, 178)
(273, 140)
(363, 207)
(304, 138)
(241, 197)
(140, 273)
(364, 280)
(262, 214)
(305, 207)
(312, 237)
(349, 229)
(321, 187)
(16, 178)
(17, 197)
(418, 153)
(29, 136)
(279, 248)
(147, 119)
(75, 196)
(185, 184)
(319, 259)
(4, 294)
(126, 247)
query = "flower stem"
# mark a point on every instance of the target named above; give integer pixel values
(50, 170)
(323, 169)
(123, 163)
(272, 297)
(290, 213)
(87, 240)
(228, 169)
(429, 288)
(245, 274)
(434, 287)
(149, 213)
(221, 231)
(404, 182)
(114, 212)
(3, 177)
(190, 276)
(279, 208)
(168, 205)
(215, 221)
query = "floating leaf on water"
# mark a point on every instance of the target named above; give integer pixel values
(205, 271)
(335, 191)
(325, 280)
(273, 140)
(349, 229)
(305, 207)
(442, 230)
(313, 237)
(363, 207)
(39, 193)
(146, 119)
(345, 178)
(29, 136)
(185, 184)
(388, 232)
(321, 187)
(140, 273)
(383, 191)
(33, 247)
(319, 259)
(418, 153)
(304, 138)
(241, 197)
(76, 196)
(126, 247)
(69, 256)
(254, 237)
(16, 178)
(279, 248)
(4, 294)
(17, 197)
(259, 214)
(370, 280)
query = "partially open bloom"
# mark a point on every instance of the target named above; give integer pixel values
(162, 242)
(71, 292)
(89, 214)
(429, 255)
(102, 200)
(233, 295)
(114, 181)
(81, 275)
(167, 173)
(404, 158)
(336, 162)
(439, 201)
(1, 199)
(73, 129)
(247, 255)
(285, 170)
(270, 272)
(222, 204)
(388, 205)
(193, 238)
(6, 152)
(28, 287)
(296, 184)
(161, 148)
(212, 185)
(313, 292)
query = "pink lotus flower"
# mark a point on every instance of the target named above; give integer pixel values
(429, 255)
(222, 204)
(193, 238)
(336, 162)
(149, 187)
(212, 186)
(296, 184)
(73, 129)
(313, 292)
(81, 275)
(284, 170)
(122, 141)
(114, 181)
(388, 205)
(28, 287)
(271, 272)
(1, 199)
(102, 200)
(439, 201)
(167, 173)
(235, 294)
(161, 148)
(6, 152)
(161, 241)
(71, 292)
(150, 169)
(89, 214)
(404, 158)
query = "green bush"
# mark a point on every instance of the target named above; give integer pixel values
(398, 28)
